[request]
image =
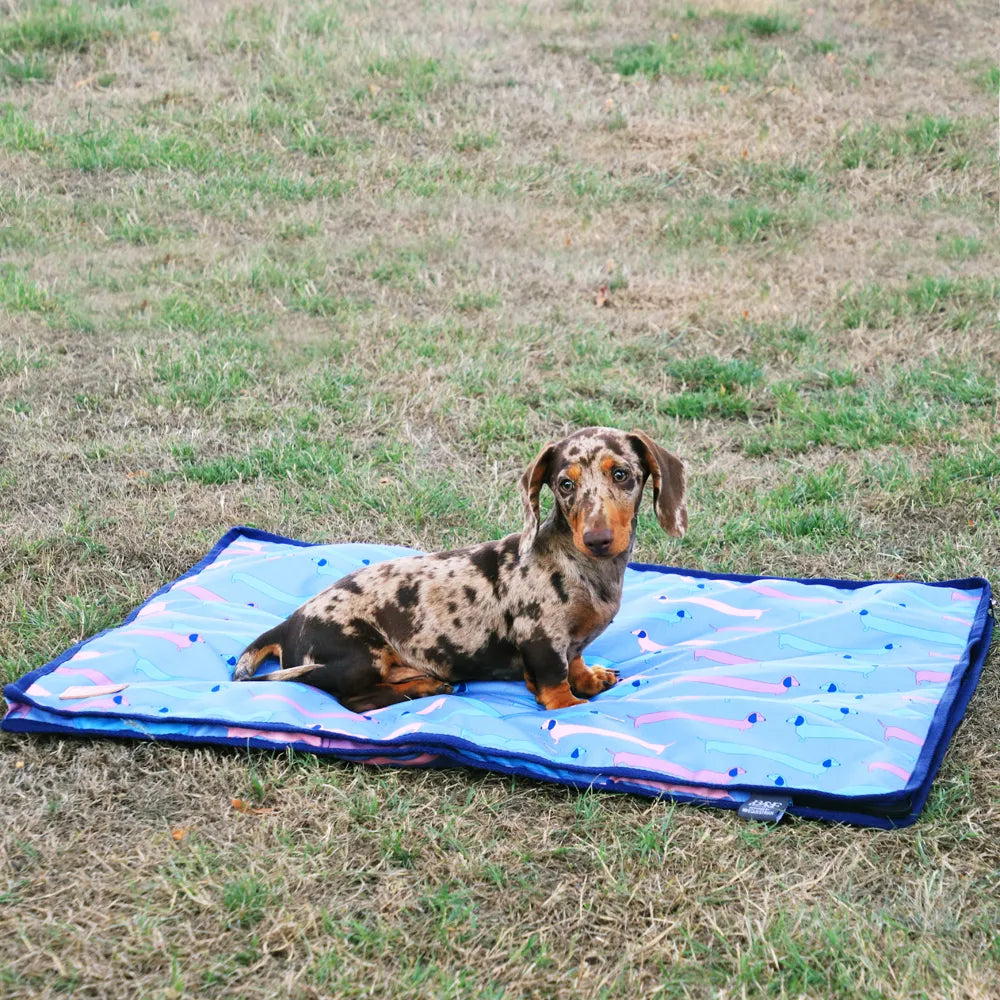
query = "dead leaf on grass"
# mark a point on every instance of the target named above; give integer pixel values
(241, 805)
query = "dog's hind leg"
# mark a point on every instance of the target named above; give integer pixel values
(360, 678)
(391, 694)
(269, 644)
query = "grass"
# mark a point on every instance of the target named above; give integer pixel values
(339, 271)
(723, 49)
(877, 147)
(59, 27)
(21, 70)
(989, 79)
(931, 299)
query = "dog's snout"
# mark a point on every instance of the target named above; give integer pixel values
(598, 540)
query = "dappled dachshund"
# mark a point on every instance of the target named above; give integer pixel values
(521, 607)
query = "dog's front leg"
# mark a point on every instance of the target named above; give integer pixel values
(547, 674)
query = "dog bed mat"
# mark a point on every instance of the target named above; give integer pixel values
(838, 696)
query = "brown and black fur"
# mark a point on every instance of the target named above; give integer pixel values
(521, 607)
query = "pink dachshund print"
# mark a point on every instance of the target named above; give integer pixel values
(675, 770)
(720, 606)
(558, 730)
(742, 724)
(741, 683)
(719, 656)
(931, 676)
(672, 788)
(896, 733)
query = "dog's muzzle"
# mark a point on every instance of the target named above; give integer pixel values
(599, 541)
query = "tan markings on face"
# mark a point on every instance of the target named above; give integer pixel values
(620, 517)
(586, 516)
(577, 515)
(619, 506)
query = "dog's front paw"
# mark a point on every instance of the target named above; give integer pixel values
(605, 676)
(589, 681)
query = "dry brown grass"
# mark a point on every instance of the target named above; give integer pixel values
(184, 321)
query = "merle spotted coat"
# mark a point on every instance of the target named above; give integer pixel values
(522, 607)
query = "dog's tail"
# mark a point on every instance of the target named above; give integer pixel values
(268, 644)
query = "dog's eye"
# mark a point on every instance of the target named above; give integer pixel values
(567, 486)
(619, 475)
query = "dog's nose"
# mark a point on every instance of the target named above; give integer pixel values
(598, 541)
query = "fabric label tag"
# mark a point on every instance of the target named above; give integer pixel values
(765, 808)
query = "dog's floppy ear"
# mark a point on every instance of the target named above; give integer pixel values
(667, 473)
(531, 486)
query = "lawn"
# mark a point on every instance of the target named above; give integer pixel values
(337, 271)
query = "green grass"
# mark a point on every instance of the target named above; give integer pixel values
(16, 237)
(707, 221)
(245, 902)
(474, 142)
(921, 404)
(653, 59)
(25, 68)
(59, 27)
(129, 227)
(400, 87)
(766, 25)
(99, 150)
(212, 374)
(20, 294)
(14, 362)
(825, 46)
(730, 54)
(301, 459)
(747, 223)
(18, 134)
(951, 302)
(989, 79)
(179, 312)
(729, 60)
(877, 147)
(960, 247)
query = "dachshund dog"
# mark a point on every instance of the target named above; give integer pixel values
(521, 607)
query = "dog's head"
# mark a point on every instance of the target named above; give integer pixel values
(597, 476)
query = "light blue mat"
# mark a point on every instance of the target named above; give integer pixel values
(841, 695)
